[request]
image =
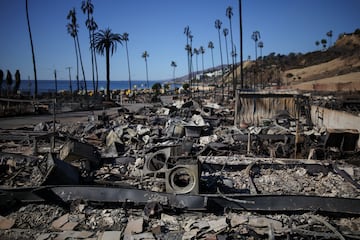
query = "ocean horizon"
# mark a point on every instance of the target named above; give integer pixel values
(46, 86)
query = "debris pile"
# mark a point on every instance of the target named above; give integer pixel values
(178, 171)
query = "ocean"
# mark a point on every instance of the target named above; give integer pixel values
(45, 86)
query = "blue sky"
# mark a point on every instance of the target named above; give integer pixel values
(157, 26)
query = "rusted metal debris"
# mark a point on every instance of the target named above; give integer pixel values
(155, 166)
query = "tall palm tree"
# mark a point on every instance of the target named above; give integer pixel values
(32, 48)
(261, 45)
(218, 27)
(125, 37)
(9, 82)
(196, 52)
(255, 36)
(74, 27)
(323, 42)
(92, 25)
(211, 46)
(145, 55)
(88, 8)
(229, 14)
(188, 48)
(202, 51)
(173, 64)
(187, 33)
(226, 32)
(105, 42)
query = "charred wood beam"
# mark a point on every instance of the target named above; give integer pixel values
(211, 202)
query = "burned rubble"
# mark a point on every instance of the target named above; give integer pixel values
(181, 170)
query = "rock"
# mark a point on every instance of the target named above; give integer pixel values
(6, 223)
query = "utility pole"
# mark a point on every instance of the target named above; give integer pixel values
(70, 85)
(241, 46)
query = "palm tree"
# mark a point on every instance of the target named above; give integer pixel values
(173, 64)
(330, 34)
(88, 8)
(105, 42)
(188, 48)
(74, 32)
(317, 43)
(145, 55)
(9, 81)
(226, 32)
(32, 49)
(229, 14)
(202, 51)
(17, 81)
(323, 42)
(92, 25)
(218, 27)
(196, 52)
(255, 36)
(125, 37)
(261, 45)
(211, 46)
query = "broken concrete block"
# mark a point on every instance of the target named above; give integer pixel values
(236, 220)
(6, 223)
(73, 235)
(134, 226)
(262, 222)
(58, 223)
(218, 225)
(141, 236)
(188, 235)
(69, 226)
(111, 138)
(110, 235)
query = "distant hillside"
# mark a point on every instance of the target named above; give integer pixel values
(330, 69)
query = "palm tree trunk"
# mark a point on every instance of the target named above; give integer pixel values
(222, 68)
(96, 66)
(147, 74)
(203, 79)
(233, 59)
(227, 57)
(128, 62)
(108, 74)
(92, 61)
(81, 63)
(77, 66)
(32, 49)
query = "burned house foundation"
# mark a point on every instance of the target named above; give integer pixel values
(185, 169)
